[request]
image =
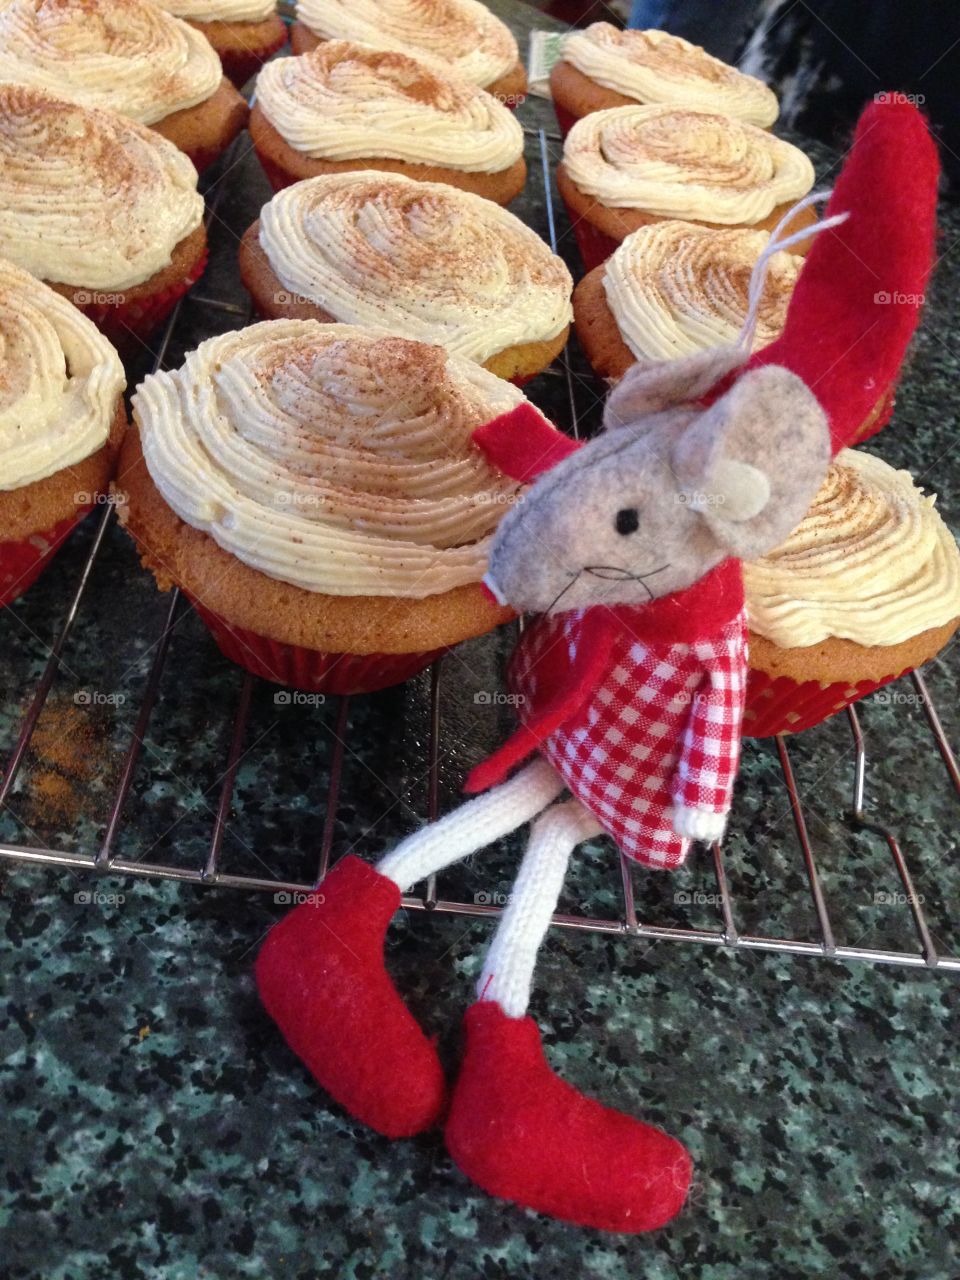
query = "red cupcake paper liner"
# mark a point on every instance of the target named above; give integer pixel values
(240, 64)
(22, 562)
(565, 119)
(595, 247)
(203, 157)
(277, 177)
(781, 705)
(311, 670)
(127, 323)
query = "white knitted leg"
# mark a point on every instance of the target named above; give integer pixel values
(508, 971)
(475, 824)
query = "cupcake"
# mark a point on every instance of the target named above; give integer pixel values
(461, 36)
(866, 588)
(315, 491)
(103, 210)
(61, 423)
(603, 67)
(625, 168)
(244, 33)
(419, 258)
(674, 288)
(348, 106)
(126, 56)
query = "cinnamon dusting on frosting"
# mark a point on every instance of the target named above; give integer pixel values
(462, 35)
(872, 562)
(675, 288)
(88, 197)
(331, 457)
(345, 101)
(123, 55)
(654, 67)
(59, 381)
(424, 259)
(678, 162)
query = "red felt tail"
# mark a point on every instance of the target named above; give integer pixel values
(857, 301)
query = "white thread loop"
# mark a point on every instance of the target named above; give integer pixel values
(776, 244)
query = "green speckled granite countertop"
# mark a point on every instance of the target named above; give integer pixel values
(155, 1127)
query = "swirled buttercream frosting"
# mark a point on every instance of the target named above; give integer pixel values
(871, 562)
(330, 456)
(347, 101)
(122, 55)
(653, 66)
(87, 197)
(675, 288)
(220, 10)
(59, 381)
(677, 163)
(462, 34)
(418, 258)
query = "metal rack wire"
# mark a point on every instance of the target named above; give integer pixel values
(212, 872)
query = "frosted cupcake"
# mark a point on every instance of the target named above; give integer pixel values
(603, 67)
(315, 490)
(674, 288)
(462, 36)
(348, 106)
(126, 56)
(244, 33)
(866, 588)
(628, 167)
(61, 422)
(103, 210)
(418, 258)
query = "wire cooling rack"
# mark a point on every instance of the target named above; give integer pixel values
(212, 871)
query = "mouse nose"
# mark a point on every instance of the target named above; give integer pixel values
(490, 589)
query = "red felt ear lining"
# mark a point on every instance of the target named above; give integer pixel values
(522, 443)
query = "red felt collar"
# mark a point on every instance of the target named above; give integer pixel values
(684, 617)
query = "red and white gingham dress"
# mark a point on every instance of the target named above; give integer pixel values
(656, 723)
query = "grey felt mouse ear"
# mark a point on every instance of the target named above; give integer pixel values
(650, 388)
(752, 463)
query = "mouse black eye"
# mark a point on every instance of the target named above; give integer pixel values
(627, 520)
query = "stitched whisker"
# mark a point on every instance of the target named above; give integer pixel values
(563, 592)
(614, 571)
(617, 573)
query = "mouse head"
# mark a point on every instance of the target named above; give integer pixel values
(668, 490)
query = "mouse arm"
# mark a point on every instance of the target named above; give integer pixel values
(857, 301)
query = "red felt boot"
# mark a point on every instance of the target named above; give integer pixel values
(517, 1130)
(321, 976)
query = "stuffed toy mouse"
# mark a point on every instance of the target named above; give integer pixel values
(630, 687)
